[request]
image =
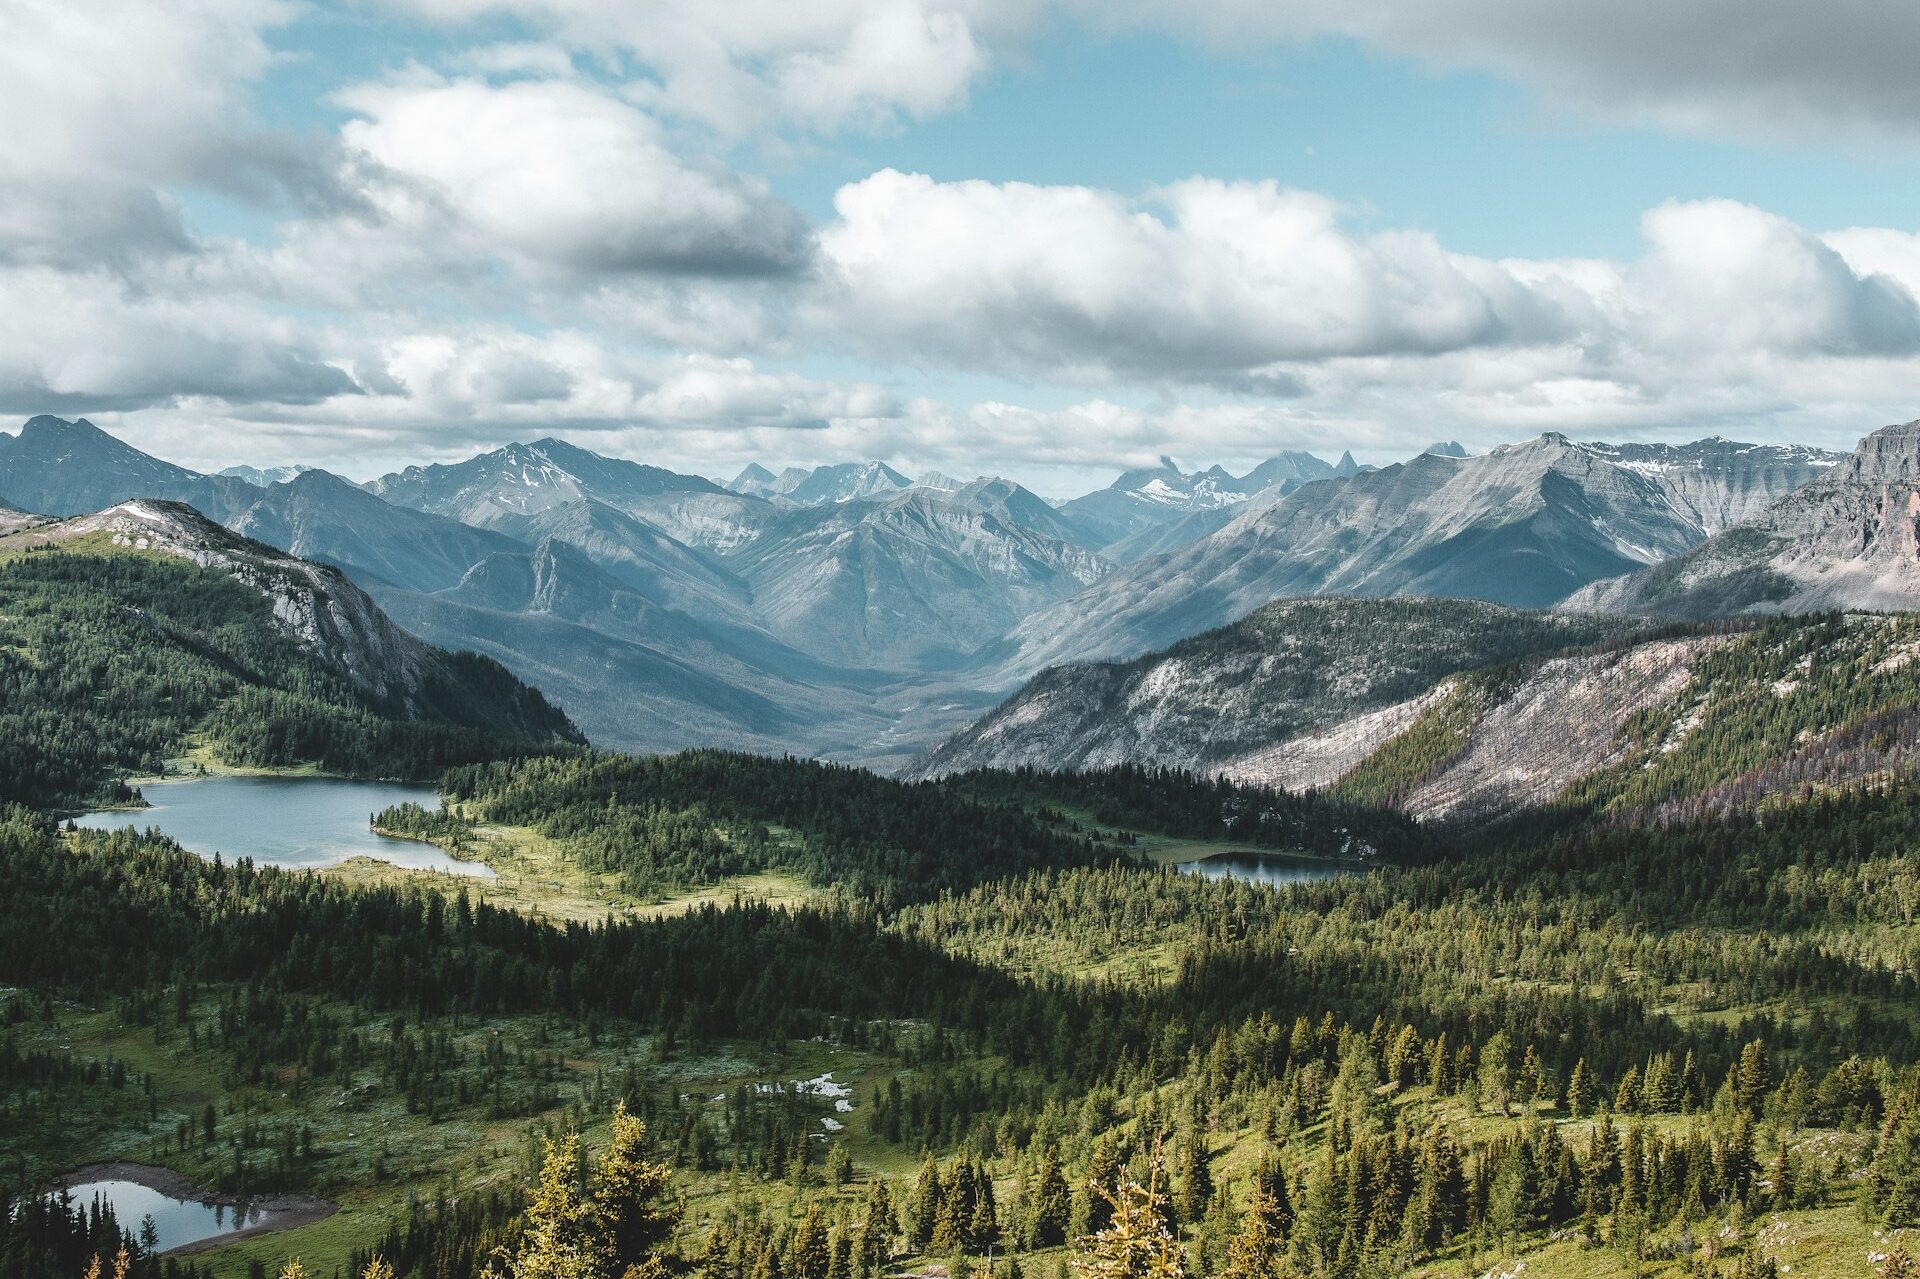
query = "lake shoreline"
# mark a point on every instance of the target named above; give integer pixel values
(278, 1211)
(296, 823)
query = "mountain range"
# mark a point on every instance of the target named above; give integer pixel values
(1524, 525)
(863, 615)
(1850, 539)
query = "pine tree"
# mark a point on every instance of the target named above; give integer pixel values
(1091, 1209)
(1259, 1251)
(1580, 1090)
(1752, 1077)
(631, 1222)
(559, 1241)
(923, 1204)
(1270, 1179)
(876, 1228)
(1193, 1189)
(1136, 1242)
(1626, 1098)
(1893, 1178)
(1050, 1206)
(1496, 1072)
(810, 1255)
(1529, 1083)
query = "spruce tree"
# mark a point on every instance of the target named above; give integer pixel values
(1259, 1251)
(633, 1225)
(1580, 1090)
(1050, 1205)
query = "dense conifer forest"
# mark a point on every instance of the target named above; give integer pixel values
(112, 663)
(989, 1026)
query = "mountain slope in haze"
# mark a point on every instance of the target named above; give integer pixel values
(660, 567)
(524, 479)
(754, 479)
(57, 467)
(1287, 668)
(320, 516)
(518, 481)
(919, 580)
(125, 632)
(649, 642)
(840, 482)
(1151, 502)
(1524, 525)
(1848, 538)
(262, 478)
(834, 482)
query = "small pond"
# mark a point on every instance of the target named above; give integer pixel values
(301, 822)
(1262, 868)
(177, 1222)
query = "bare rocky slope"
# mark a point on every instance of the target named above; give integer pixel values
(1286, 670)
(1703, 719)
(1524, 525)
(1849, 538)
(328, 615)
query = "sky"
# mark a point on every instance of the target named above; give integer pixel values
(1048, 239)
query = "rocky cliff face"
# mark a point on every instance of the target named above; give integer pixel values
(1718, 483)
(1527, 744)
(1848, 538)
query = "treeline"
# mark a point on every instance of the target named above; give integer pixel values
(702, 815)
(1186, 805)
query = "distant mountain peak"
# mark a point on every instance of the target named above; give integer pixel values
(45, 423)
(1448, 448)
(263, 477)
(839, 482)
(754, 479)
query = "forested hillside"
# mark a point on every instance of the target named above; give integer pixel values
(114, 660)
(1590, 1048)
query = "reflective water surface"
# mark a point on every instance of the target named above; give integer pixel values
(176, 1221)
(305, 822)
(1258, 868)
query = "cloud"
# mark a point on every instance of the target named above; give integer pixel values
(1724, 275)
(1740, 68)
(90, 340)
(106, 103)
(1207, 278)
(756, 65)
(557, 174)
(1749, 69)
(1242, 285)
